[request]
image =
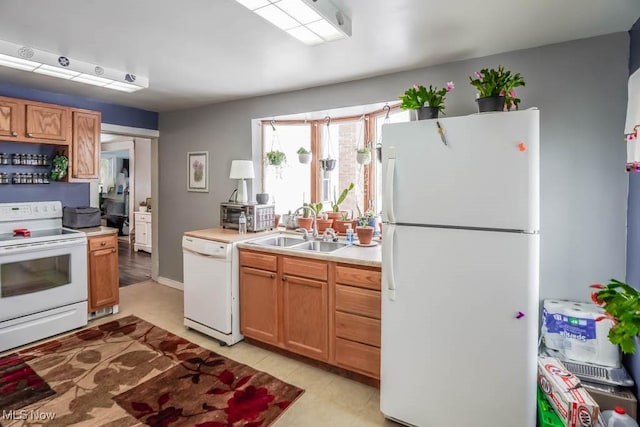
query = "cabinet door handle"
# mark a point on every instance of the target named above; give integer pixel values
(30, 135)
(284, 278)
(273, 276)
(14, 133)
(113, 251)
(103, 243)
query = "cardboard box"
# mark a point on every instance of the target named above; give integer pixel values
(564, 391)
(610, 399)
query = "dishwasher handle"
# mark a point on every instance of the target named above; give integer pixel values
(189, 251)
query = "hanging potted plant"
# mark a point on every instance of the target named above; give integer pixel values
(276, 158)
(496, 89)
(363, 155)
(304, 155)
(328, 163)
(428, 103)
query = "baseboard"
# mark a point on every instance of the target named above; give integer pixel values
(171, 283)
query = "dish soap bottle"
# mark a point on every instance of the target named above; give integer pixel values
(242, 223)
(349, 235)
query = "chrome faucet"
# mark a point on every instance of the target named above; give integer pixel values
(332, 233)
(315, 222)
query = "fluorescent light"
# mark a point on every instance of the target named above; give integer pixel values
(301, 18)
(277, 17)
(61, 73)
(56, 65)
(325, 30)
(123, 87)
(253, 4)
(299, 11)
(92, 80)
(18, 63)
(305, 35)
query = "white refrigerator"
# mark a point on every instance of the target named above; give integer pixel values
(460, 270)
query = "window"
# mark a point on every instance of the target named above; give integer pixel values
(292, 184)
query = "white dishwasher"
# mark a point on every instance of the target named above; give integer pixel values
(211, 288)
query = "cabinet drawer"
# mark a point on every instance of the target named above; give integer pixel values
(302, 267)
(358, 357)
(143, 217)
(259, 260)
(357, 328)
(360, 277)
(103, 242)
(358, 301)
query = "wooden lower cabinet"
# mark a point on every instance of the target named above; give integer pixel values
(319, 309)
(259, 304)
(103, 272)
(306, 317)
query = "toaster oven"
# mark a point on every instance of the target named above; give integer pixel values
(259, 217)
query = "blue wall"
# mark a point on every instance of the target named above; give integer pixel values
(70, 194)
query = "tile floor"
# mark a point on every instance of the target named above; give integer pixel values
(329, 400)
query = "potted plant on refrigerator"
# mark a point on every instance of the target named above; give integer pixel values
(621, 302)
(428, 102)
(496, 89)
(304, 155)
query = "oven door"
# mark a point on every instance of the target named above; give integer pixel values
(40, 276)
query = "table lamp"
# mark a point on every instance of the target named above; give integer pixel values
(242, 169)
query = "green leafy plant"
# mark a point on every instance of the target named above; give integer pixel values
(344, 217)
(317, 208)
(363, 222)
(364, 150)
(419, 96)
(335, 204)
(621, 302)
(303, 150)
(500, 82)
(276, 157)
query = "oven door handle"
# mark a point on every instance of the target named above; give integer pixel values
(26, 247)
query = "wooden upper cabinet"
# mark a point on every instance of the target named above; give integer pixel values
(85, 145)
(11, 118)
(47, 122)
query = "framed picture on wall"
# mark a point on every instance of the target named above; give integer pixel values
(198, 169)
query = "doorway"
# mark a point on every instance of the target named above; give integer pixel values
(124, 191)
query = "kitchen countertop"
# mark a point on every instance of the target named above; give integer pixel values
(367, 256)
(98, 231)
(225, 235)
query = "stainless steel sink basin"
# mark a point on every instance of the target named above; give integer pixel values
(279, 241)
(318, 246)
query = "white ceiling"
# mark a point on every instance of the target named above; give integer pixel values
(199, 52)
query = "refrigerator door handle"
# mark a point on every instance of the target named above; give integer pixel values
(389, 231)
(389, 181)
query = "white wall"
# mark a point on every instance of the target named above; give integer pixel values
(142, 147)
(580, 88)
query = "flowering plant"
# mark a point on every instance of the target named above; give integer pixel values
(500, 82)
(419, 96)
(621, 302)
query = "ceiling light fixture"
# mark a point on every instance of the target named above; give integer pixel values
(310, 21)
(50, 64)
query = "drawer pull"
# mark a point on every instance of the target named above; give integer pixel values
(103, 243)
(14, 133)
(113, 251)
(273, 276)
(284, 278)
(30, 135)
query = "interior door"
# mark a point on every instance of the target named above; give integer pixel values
(483, 174)
(455, 349)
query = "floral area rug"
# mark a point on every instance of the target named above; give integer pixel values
(129, 372)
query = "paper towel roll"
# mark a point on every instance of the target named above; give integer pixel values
(570, 328)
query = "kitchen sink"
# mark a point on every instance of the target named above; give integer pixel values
(279, 241)
(318, 246)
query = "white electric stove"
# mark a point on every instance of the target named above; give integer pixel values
(43, 274)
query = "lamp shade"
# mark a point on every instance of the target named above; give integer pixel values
(241, 169)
